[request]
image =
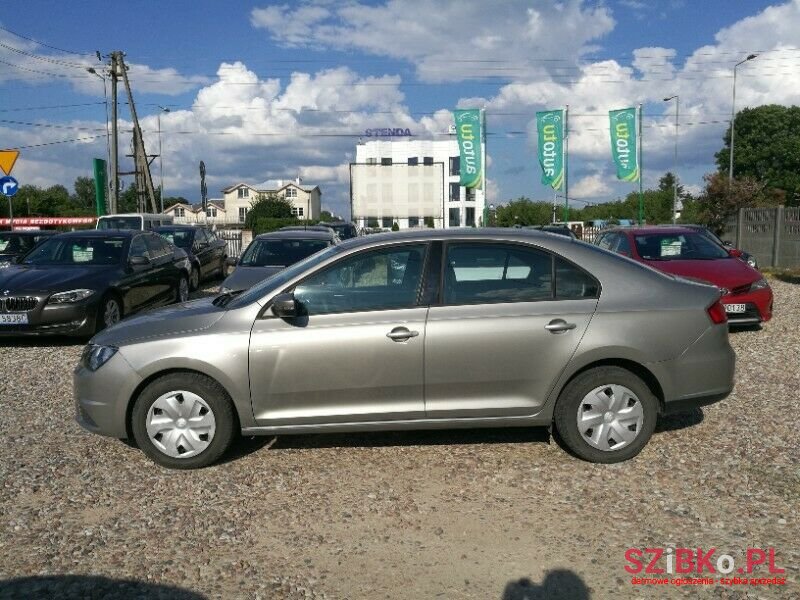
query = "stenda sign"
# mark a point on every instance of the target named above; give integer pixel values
(388, 132)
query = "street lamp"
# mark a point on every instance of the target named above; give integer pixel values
(733, 114)
(94, 72)
(162, 109)
(677, 99)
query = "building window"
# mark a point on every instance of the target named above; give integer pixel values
(386, 222)
(413, 221)
(427, 160)
(372, 222)
(470, 216)
(242, 214)
(291, 192)
(455, 165)
(211, 212)
(455, 192)
(244, 192)
(386, 161)
(180, 212)
(470, 194)
(413, 161)
(297, 211)
(455, 217)
(372, 161)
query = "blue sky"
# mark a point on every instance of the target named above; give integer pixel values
(384, 64)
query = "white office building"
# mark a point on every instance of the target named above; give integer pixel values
(412, 183)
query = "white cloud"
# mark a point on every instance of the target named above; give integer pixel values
(434, 37)
(591, 186)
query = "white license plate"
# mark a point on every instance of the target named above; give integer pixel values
(14, 319)
(735, 308)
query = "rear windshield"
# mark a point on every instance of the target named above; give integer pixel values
(280, 253)
(89, 251)
(678, 246)
(119, 223)
(180, 237)
(11, 243)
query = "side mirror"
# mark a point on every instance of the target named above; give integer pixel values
(735, 252)
(727, 243)
(231, 261)
(139, 261)
(284, 306)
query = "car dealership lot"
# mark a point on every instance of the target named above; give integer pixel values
(460, 514)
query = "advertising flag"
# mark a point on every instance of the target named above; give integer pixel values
(469, 131)
(550, 125)
(623, 143)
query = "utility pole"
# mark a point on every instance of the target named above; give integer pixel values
(733, 115)
(677, 99)
(116, 56)
(566, 163)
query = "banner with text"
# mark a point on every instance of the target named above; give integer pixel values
(550, 125)
(623, 143)
(469, 130)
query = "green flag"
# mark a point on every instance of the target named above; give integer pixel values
(623, 143)
(550, 124)
(469, 131)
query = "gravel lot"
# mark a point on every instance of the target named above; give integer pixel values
(490, 514)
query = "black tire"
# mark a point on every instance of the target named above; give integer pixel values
(103, 310)
(215, 397)
(194, 279)
(182, 281)
(221, 271)
(570, 401)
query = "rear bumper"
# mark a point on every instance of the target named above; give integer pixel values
(702, 375)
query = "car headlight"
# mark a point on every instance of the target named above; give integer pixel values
(751, 260)
(4, 264)
(761, 284)
(95, 356)
(70, 296)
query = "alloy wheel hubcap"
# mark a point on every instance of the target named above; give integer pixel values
(180, 424)
(195, 278)
(610, 417)
(183, 291)
(111, 313)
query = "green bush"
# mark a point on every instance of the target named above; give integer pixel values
(267, 224)
(395, 226)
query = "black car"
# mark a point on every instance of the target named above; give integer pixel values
(78, 283)
(344, 230)
(557, 229)
(207, 253)
(15, 244)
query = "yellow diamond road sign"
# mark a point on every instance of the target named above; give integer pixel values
(7, 160)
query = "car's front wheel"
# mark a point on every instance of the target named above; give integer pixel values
(194, 279)
(182, 291)
(606, 415)
(109, 312)
(184, 421)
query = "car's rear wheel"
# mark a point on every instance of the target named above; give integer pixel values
(184, 421)
(606, 415)
(109, 312)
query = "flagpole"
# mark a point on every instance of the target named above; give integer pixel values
(483, 164)
(641, 174)
(565, 133)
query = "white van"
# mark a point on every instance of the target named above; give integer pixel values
(140, 221)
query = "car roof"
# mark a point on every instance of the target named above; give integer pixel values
(31, 232)
(179, 226)
(298, 234)
(102, 233)
(500, 234)
(652, 229)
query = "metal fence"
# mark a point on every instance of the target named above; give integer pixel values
(772, 235)
(234, 241)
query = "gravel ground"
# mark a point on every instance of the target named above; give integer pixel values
(490, 514)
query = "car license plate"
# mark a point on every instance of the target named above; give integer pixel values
(14, 319)
(735, 308)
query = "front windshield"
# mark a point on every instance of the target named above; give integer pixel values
(280, 278)
(182, 238)
(279, 252)
(119, 223)
(89, 251)
(678, 246)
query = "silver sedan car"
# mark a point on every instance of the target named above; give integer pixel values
(416, 330)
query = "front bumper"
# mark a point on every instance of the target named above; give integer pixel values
(75, 319)
(758, 307)
(101, 397)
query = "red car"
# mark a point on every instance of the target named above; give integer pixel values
(686, 253)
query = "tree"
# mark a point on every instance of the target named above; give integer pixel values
(326, 216)
(267, 206)
(523, 211)
(767, 148)
(84, 198)
(719, 201)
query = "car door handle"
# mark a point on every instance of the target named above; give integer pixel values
(401, 334)
(559, 326)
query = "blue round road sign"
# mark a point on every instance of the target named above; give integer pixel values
(9, 186)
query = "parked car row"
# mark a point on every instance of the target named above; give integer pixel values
(426, 329)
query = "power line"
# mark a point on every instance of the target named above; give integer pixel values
(24, 37)
(42, 58)
(73, 140)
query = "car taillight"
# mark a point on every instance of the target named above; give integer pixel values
(716, 313)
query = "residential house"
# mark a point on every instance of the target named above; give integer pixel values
(306, 199)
